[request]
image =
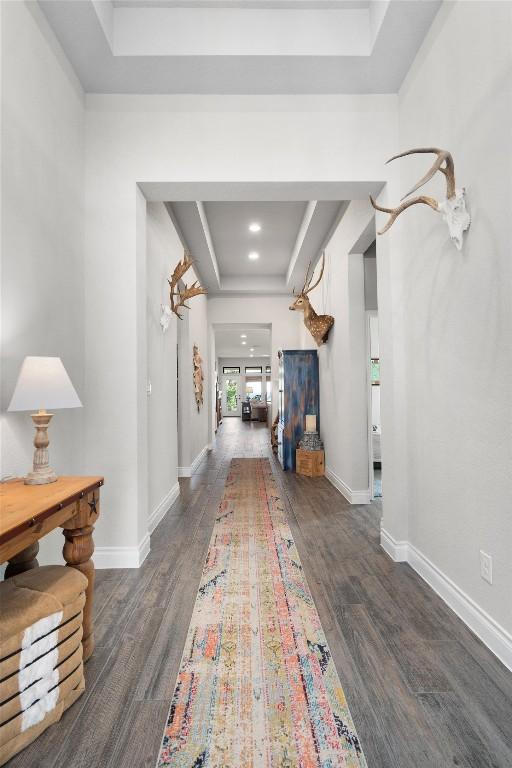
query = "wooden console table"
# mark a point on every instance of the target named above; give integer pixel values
(29, 512)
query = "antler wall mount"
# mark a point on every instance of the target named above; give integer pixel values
(318, 325)
(452, 208)
(178, 296)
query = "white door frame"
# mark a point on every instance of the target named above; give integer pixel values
(236, 377)
(369, 313)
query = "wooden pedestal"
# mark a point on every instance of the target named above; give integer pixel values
(310, 463)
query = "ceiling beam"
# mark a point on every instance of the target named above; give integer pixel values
(306, 221)
(209, 241)
(317, 228)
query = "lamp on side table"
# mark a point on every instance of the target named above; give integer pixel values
(43, 383)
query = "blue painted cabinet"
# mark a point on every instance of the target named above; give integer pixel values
(298, 395)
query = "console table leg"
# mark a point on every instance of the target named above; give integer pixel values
(77, 551)
(23, 561)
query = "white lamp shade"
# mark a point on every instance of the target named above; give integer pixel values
(43, 384)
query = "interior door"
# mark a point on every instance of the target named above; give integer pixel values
(231, 402)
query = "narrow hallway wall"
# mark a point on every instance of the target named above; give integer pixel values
(164, 250)
(194, 423)
(343, 389)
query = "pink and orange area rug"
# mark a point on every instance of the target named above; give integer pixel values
(257, 685)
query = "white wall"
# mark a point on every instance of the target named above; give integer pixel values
(451, 365)
(342, 360)
(194, 424)
(42, 235)
(370, 278)
(164, 250)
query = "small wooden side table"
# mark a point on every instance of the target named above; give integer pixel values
(29, 512)
(310, 463)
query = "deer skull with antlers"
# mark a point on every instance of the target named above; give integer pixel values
(318, 325)
(178, 296)
(452, 209)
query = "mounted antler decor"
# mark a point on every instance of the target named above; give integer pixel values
(318, 325)
(453, 208)
(177, 295)
(198, 377)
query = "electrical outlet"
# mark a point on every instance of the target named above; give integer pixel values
(486, 566)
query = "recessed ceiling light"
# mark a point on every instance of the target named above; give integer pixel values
(252, 349)
(254, 227)
(251, 355)
(243, 335)
(244, 342)
(254, 255)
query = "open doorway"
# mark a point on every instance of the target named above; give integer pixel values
(373, 377)
(376, 429)
(244, 369)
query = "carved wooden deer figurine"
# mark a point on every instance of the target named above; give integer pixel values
(318, 325)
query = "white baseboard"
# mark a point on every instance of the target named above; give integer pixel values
(121, 557)
(159, 512)
(189, 471)
(492, 634)
(133, 557)
(397, 550)
(355, 497)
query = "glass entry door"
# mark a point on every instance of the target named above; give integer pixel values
(231, 404)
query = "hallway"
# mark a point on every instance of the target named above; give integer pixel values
(422, 690)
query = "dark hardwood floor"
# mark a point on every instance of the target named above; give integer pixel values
(423, 690)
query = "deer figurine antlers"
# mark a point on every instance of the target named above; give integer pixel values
(318, 325)
(453, 208)
(181, 294)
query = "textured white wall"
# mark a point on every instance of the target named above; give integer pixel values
(452, 363)
(197, 421)
(164, 249)
(42, 236)
(342, 360)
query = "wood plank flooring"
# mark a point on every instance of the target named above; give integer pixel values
(423, 690)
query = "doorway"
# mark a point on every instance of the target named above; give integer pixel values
(374, 420)
(231, 401)
(373, 372)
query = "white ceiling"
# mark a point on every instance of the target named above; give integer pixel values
(218, 236)
(228, 341)
(240, 46)
(229, 228)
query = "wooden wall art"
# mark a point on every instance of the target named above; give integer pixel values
(318, 325)
(198, 377)
(178, 296)
(452, 209)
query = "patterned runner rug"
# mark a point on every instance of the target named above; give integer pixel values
(257, 685)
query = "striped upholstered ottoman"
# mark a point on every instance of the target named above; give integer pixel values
(41, 669)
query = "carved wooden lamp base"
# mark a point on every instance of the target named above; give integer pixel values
(41, 473)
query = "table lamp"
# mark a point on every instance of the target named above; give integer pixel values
(42, 383)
